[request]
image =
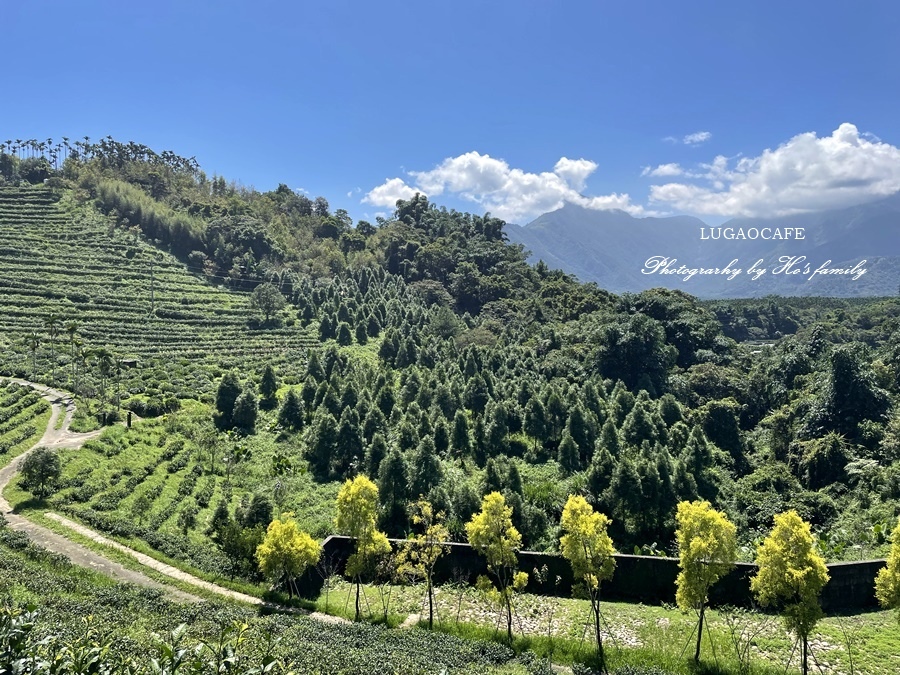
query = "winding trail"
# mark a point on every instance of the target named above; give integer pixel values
(63, 404)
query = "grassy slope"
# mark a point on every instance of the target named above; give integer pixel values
(110, 474)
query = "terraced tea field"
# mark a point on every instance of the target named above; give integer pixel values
(23, 418)
(60, 259)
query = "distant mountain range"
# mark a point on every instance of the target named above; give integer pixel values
(612, 247)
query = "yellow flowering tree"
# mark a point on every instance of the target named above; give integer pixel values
(357, 503)
(286, 551)
(707, 550)
(492, 534)
(791, 576)
(887, 583)
(419, 555)
(589, 550)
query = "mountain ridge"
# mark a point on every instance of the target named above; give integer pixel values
(611, 248)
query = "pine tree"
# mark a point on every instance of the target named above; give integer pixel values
(441, 437)
(580, 431)
(267, 388)
(536, 422)
(568, 454)
(344, 336)
(362, 337)
(314, 367)
(226, 396)
(460, 440)
(323, 446)
(246, 408)
(350, 450)
(476, 394)
(425, 470)
(493, 476)
(291, 414)
(609, 438)
(326, 329)
(374, 424)
(394, 494)
(599, 475)
(375, 454)
(514, 479)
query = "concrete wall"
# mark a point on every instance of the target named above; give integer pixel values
(639, 578)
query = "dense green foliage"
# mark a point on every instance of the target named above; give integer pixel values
(424, 352)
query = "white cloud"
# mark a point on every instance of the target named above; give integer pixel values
(663, 170)
(508, 193)
(697, 137)
(389, 192)
(804, 174)
(575, 171)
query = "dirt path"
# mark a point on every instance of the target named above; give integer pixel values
(62, 403)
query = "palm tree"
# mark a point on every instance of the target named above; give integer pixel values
(80, 360)
(72, 329)
(33, 342)
(105, 365)
(118, 370)
(52, 324)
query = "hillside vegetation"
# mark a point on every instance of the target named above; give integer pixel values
(286, 350)
(435, 345)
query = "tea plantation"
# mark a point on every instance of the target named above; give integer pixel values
(23, 418)
(84, 618)
(101, 287)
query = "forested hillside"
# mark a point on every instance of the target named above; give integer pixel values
(425, 352)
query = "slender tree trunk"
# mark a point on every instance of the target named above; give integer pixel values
(430, 605)
(805, 656)
(600, 657)
(508, 616)
(699, 633)
(357, 599)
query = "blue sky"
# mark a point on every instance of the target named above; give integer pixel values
(511, 107)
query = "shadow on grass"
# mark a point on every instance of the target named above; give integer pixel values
(31, 504)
